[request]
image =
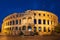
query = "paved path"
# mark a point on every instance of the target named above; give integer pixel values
(3, 38)
(29, 37)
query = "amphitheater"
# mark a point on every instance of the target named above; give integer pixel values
(28, 22)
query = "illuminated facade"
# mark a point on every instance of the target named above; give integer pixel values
(42, 22)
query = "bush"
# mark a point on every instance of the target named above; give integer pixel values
(57, 28)
(35, 33)
(21, 33)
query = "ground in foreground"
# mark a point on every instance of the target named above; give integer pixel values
(29, 37)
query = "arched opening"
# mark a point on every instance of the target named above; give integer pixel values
(44, 21)
(20, 21)
(24, 28)
(13, 22)
(44, 29)
(16, 21)
(10, 28)
(39, 29)
(24, 18)
(35, 29)
(19, 28)
(10, 22)
(39, 21)
(29, 28)
(35, 21)
(29, 17)
(16, 28)
(48, 29)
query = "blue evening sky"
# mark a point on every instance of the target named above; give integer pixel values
(8, 7)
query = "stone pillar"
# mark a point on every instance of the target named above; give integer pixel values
(42, 24)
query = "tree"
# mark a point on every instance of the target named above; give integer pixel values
(57, 28)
